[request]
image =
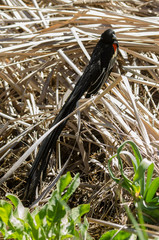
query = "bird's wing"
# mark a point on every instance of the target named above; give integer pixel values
(97, 83)
(106, 60)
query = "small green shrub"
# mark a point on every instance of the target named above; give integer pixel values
(142, 188)
(55, 220)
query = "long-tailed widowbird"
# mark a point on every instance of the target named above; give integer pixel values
(94, 76)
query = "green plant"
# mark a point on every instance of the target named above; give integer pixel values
(115, 235)
(55, 220)
(142, 187)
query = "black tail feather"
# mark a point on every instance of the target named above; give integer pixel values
(49, 144)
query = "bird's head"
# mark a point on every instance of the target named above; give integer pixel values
(109, 36)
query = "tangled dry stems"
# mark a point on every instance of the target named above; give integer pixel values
(44, 49)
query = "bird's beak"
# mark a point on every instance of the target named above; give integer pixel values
(114, 36)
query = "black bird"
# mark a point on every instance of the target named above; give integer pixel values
(94, 76)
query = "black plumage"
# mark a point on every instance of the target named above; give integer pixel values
(94, 76)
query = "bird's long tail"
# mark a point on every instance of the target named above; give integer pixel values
(48, 145)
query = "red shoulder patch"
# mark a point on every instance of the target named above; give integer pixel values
(115, 47)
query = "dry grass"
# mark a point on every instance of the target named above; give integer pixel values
(44, 49)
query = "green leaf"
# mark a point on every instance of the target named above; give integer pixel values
(141, 234)
(15, 200)
(124, 181)
(5, 211)
(151, 210)
(127, 184)
(152, 190)
(17, 226)
(84, 227)
(41, 234)
(117, 180)
(20, 211)
(149, 178)
(131, 156)
(67, 236)
(120, 236)
(72, 187)
(135, 149)
(56, 209)
(141, 169)
(21, 219)
(40, 216)
(79, 211)
(32, 225)
(63, 182)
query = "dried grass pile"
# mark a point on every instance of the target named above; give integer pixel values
(44, 49)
